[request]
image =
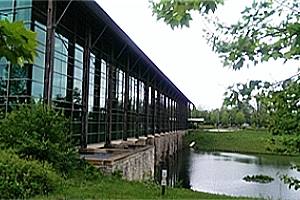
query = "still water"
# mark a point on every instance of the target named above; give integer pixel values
(222, 173)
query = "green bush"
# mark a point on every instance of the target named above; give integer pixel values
(22, 179)
(39, 132)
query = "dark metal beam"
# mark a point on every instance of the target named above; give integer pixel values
(121, 52)
(100, 35)
(135, 63)
(65, 10)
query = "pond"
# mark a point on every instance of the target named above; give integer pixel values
(223, 173)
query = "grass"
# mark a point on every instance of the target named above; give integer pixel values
(105, 187)
(243, 141)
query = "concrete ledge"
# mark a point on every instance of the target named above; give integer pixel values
(134, 157)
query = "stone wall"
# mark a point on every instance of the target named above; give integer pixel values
(167, 144)
(141, 155)
(135, 165)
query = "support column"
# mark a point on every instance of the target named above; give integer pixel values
(165, 114)
(110, 88)
(85, 86)
(158, 113)
(146, 103)
(153, 109)
(137, 115)
(49, 60)
(126, 102)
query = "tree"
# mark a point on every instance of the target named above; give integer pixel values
(239, 118)
(215, 116)
(224, 117)
(178, 12)
(17, 44)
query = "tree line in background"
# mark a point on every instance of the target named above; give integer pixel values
(243, 114)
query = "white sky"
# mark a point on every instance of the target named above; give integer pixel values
(183, 54)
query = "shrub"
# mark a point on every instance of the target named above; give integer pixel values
(22, 179)
(39, 132)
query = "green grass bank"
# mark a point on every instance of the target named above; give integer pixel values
(243, 141)
(111, 187)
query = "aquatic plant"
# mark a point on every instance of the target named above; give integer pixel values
(258, 178)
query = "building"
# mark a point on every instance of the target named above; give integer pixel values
(87, 65)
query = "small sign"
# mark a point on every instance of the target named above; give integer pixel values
(164, 177)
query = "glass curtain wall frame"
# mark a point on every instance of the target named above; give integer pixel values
(118, 103)
(15, 82)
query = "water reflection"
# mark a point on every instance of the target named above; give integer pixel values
(177, 167)
(222, 173)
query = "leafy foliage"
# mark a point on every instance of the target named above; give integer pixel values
(178, 12)
(39, 132)
(21, 179)
(257, 37)
(17, 44)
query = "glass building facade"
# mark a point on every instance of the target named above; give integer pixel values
(89, 67)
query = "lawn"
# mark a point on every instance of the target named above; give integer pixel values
(106, 187)
(243, 141)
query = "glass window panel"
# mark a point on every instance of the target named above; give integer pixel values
(102, 102)
(79, 52)
(103, 66)
(78, 73)
(6, 4)
(3, 87)
(77, 98)
(18, 87)
(93, 116)
(24, 2)
(92, 139)
(102, 128)
(93, 128)
(92, 80)
(76, 128)
(59, 80)
(77, 85)
(3, 72)
(60, 66)
(23, 14)
(61, 45)
(91, 103)
(37, 89)
(41, 34)
(6, 14)
(58, 93)
(38, 74)
(76, 116)
(19, 72)
(92, 62)
(40, 60)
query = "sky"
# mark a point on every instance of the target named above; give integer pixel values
(183, 54)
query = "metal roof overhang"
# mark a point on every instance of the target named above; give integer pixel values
(95, 8)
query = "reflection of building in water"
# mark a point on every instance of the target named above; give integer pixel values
(107, 86)
(177, 167)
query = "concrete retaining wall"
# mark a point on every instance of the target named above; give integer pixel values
(141, 155)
